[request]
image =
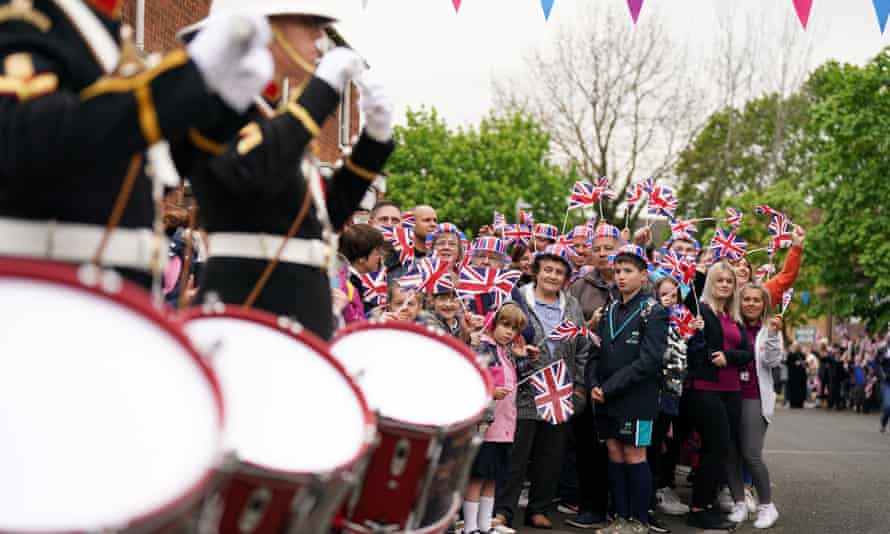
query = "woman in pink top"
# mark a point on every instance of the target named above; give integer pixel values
(504, 349)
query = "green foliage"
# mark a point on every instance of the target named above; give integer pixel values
(744, 150)
(468, 173)
(850, 136)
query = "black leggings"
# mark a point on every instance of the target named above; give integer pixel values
(716, 415)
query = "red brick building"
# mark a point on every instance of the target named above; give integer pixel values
(163, 18)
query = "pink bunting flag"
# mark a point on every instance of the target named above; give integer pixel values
(803, 11)
(635, 7)
(547, 5)
(456, 5)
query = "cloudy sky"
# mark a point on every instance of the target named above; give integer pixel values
(427, 54)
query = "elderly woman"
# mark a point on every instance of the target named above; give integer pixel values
(538, 446)
(447, 243)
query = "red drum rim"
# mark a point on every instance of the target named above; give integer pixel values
(433, 334)
(284, 326)
(138, 300)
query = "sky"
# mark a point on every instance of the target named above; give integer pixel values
(428, 55)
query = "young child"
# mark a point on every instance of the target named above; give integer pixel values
(405, 306)
(502, 346)
(623, 381)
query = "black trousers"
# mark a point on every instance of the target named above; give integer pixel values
(592, 458)
(683, 426)
(717, 415)
(536, 455)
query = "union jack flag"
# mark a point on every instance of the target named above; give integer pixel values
(678, 267)
(663, 202)
(634, 194)
(648, 185)
(763, 209)
(765, 271)
(517, 233)
(527, 218)
(553, 393)
(679, 226)
(374, 286)
(402, 240)
(582, 195)
(565, 240)
(499, 220)
(735, 218)
(602, 190)
(408, 218)
(569, 330)
(681, 319)
(412, 279)
(780, 230)
(728, 245)
(436, 276)
(481, 280)
(786, 299)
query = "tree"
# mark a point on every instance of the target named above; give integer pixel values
(745, 150)
(850, 131)
(619, 101)
(468, 173)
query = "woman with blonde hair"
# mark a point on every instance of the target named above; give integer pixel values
(764, 333)
(716, 396)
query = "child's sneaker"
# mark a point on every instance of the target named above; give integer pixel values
(724, 500)
(767, 515)
(635, 527)
(739, 512)
(669, 503)
(618, 526)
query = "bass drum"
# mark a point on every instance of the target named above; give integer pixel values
(110, 419)
(430, 395)
(298, 426)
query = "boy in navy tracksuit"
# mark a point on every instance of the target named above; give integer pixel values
(623, 382)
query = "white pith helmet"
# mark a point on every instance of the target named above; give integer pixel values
(329, 10)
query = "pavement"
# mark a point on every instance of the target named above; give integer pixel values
(830, 473)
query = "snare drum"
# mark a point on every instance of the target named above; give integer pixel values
(429, 394)
(110, 419)
(299, 427)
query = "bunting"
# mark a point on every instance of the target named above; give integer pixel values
(456, 5)
(882, 8)
(635, 7)
(547, 6)
(803, 11)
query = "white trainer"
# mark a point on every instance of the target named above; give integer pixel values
(739, 512)
(669, 503)
(767, 515)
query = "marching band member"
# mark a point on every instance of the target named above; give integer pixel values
(81, 114)
(270, 216)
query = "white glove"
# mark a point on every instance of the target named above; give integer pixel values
(339, 66)
(220, 51)
(377, 107)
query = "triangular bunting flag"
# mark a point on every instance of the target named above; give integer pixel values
(547, 5)
(456, 5)
(635, 7)
(803, 11)
(882, 7)
(364, 4)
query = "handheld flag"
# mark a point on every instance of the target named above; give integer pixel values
(663, 202)
(499, 220)
(582, 195)
(569, 331)
(734, 219)
(527, 218)
(728, 245)
(374, 287)
(786, 299)
(679, 226)
(402, 240)
(553, 393)
(681, 319)
(517, 233)
(480, 280)
(764, 272)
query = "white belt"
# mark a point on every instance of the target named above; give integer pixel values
(311, 252)
(77, 243)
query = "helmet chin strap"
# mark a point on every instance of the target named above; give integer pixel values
(292, 53)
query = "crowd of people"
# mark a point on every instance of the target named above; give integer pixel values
(642, 391)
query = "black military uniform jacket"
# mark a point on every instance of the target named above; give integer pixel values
(628, 366)
(255, 184)
(69, 132)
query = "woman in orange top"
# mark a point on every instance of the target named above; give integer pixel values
(785, 279)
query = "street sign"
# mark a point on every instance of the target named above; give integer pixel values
(805, 335)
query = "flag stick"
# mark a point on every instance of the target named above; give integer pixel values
(602, 215)
(565, 221)
(695, 296)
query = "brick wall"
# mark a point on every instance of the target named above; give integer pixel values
(163, 18)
